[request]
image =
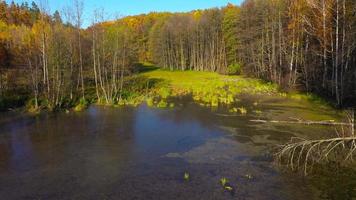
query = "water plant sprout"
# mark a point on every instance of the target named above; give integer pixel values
(186, 176)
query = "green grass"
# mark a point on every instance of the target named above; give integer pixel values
(308, 97)
(82, 105)
(158, 88)
(208, 88)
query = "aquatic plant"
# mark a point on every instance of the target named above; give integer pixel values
(226, 185)
(257, 112)
(233, 110)
(248, 176)
(229, 188)
(234, 69)
(186, 176)
(165, 92)
(242, 110)
(82, 105)
(162, 104)
(224, 181)
(150, 102)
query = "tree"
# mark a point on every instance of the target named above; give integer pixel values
(57, 17)
(78, 5)
(230, 30)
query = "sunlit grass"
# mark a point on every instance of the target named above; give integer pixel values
(159, 88)
(82, 105)
(208, 88)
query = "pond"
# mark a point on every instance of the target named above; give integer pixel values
(143, 153)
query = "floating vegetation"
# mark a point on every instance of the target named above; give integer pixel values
(186, 176)
(162, 104)
(224, 181)
(234, 110)
(242, 110)
(226, 185)
(248, 176)
(257, 112)
(229, 188)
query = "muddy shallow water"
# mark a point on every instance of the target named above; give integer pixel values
(142, 153)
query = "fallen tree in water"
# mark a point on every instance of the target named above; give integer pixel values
(306, 122)
(302, 154)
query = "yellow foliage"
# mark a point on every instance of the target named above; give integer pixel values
(4, 31)
(197, 14)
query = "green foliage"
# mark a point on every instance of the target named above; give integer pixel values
(164, 92)
(31, 105)
(234, 69)
(230, 32)
(150, 102)
(308, 97)
(82, 105)
(258, 112)
(233, 110)
(242, 110)
(162, 104)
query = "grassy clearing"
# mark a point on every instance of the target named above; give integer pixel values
(158, 88)
(207, 88)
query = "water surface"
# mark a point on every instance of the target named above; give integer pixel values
(142, 153)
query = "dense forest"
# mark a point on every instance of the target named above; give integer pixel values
(307, 45)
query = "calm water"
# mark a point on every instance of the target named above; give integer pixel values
(142, 153)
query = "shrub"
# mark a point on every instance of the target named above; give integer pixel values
(234, 69)
(82, 105)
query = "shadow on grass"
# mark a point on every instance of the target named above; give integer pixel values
(13, 99)
(144, 67)
(141, 84)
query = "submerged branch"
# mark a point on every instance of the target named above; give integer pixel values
(302, 153)
(306, 122)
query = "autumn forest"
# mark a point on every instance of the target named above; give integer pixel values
(300, 45)
(247, 100)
